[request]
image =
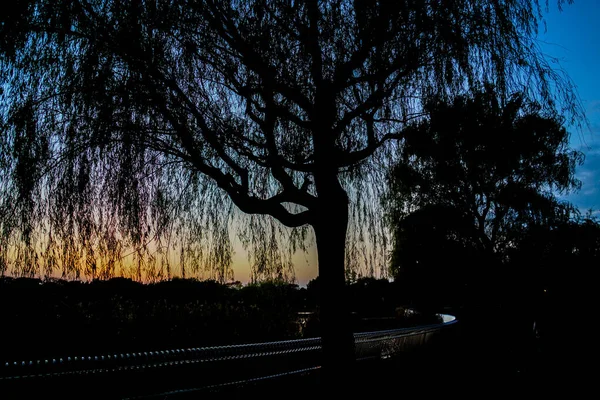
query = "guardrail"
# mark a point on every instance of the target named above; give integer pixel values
(254, 361)
(384, 344)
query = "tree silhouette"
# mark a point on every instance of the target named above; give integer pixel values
(477, 177)
(560, 258)
(130, 122)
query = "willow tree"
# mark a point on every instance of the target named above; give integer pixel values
(131, 120)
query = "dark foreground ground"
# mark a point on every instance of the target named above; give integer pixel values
(456, 372)
(471, 362)
(461, 370)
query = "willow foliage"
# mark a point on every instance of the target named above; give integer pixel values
(147, 126)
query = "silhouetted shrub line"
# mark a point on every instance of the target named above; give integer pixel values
(53, 318)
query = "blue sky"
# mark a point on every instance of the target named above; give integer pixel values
(573, 36)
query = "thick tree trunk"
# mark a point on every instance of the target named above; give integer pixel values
(330, 225)
(338, 342)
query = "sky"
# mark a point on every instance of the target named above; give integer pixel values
(573, 36)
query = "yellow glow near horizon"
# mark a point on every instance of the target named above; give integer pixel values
(305, 265)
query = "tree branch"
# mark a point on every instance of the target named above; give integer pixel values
(238, 193)
(275, 159)
(253, 60)
(310, 35)
(352, 158)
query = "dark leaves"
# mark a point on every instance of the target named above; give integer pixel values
(477, 176)
(173, 108)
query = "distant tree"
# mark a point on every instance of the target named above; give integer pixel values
(475, 177)
(138, 123)
(562, 260)
(370, 297)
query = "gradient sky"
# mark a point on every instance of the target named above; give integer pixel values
(573, 37)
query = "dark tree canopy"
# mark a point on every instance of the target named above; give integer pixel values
(155, 122)
(559, 262)
(120, 118)
(475, 179)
